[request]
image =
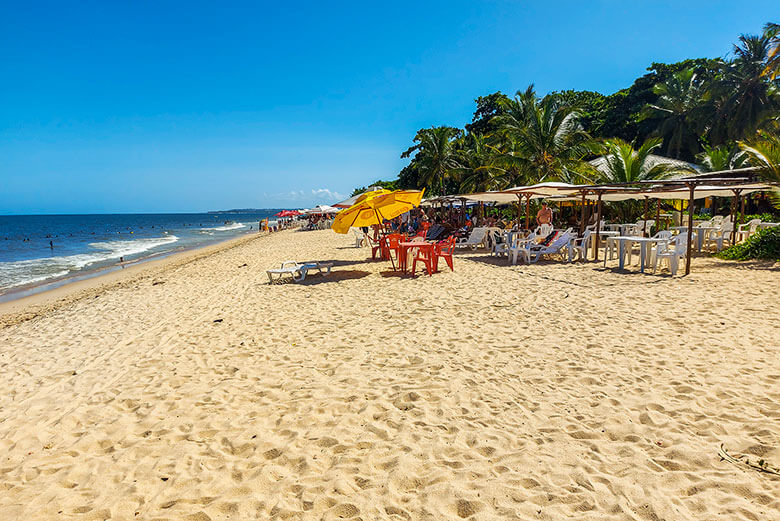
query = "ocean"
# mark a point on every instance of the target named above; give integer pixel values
(38, 250)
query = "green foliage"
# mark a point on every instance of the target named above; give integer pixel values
(488, 107)
(763, 245)
(697, 108)
(765, 217)
(590, 105)
(435, 155)
(547, 140)
(388, 185)
(724, 157)
(764, 151)
(677, 111)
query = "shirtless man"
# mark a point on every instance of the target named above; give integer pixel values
(544, 215)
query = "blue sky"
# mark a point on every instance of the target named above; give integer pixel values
(193, 106)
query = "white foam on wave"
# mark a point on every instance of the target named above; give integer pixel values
(225, 228)
(17, 273)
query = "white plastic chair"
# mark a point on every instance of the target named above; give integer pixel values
(502, 248)
(721, 235)
(663, 234)
(580, 246)
(673, 252)
(360, 238)
(744, 231)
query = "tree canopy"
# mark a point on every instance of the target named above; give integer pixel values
(718, 111)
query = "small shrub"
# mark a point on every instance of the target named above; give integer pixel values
(764, 245)
(765, 217)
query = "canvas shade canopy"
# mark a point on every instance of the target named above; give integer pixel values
(321, 209)
(375, 207)
(610, 194)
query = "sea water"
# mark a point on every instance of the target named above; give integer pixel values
(39, 249)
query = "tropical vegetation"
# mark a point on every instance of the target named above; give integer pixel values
(763, 245)
(721, 113)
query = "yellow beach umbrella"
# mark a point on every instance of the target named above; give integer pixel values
(374, 207)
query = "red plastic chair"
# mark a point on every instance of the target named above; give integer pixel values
(377, 247)
(426, 256)
(393, 241)
(445, 249)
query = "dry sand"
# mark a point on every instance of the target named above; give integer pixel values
(195, 390)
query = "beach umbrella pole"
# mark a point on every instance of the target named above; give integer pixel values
(379, 220)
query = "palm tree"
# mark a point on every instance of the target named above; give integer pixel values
(477, 164)
(677, 109)
(746, 99)
(772, 70)
(624, 164)
(548, 141)
(716, 159)
(436, 158)
(764, 151)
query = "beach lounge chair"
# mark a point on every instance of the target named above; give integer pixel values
(434, 232)
(477, 238)
(532, 252)
(298, 270)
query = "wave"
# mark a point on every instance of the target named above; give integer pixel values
(18, 273)
(225, 228)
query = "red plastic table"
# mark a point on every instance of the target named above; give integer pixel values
(403, 250)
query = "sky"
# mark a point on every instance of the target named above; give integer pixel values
(194, 106)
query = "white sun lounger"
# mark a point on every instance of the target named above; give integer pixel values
(298, 270)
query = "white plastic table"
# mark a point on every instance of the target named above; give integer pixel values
(644, 248)
(603, 236)
(700, 232)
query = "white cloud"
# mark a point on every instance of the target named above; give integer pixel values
(308, 198)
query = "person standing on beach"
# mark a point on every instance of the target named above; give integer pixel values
(51, 245)
(544, 215)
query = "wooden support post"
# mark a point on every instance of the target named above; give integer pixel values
(658, 215)
(582, 215)
(598, 224)
(644, 219)
(528, 211)
(735, 214)
(691, 188)
(742, 205)
(519, 210)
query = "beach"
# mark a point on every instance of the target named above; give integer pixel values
(190, 388)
